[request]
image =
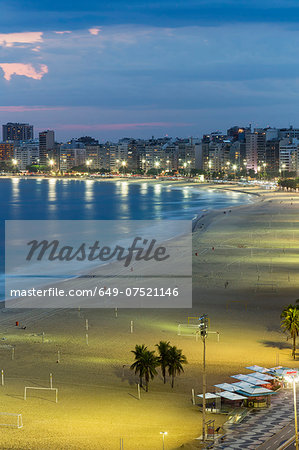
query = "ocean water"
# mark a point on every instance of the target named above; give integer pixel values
(42, 199)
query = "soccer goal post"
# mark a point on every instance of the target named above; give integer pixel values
(11, 420)
(42, 389)
(11, 348)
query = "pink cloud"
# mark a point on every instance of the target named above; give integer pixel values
(10, 39)
(30, 108)
(94, 31)
(62, 32)
(120, 126)
(26, 70)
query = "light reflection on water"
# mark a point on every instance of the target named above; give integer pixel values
(42, 199)
(89, 194)
(15, 189)
(89, 199)
(52, 190)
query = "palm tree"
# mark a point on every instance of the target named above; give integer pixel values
(149, 361)
(175, 361)
(137, 365)
(163, 349)
(290, 323)
(145, 364)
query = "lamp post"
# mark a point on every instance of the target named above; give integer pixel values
(88, 162)
(293, 374)
(295, 412)
(227, 166)
(124, 163)
(203, 326)
(164, 433)
(210, 166)
(258, 170)
(185, 167)
(264, 166)
(167, 162)
(14, 163)
(283, 169)
(234, 169)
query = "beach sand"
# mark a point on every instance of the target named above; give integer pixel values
(253, 250)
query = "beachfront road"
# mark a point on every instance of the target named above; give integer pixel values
(279, 439)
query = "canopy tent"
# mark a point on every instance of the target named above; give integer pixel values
(231, 395)
(243, 385)
(208, 395)
(258, 369)
(225, 387)
(248, 379)
(282, 371)
(261, 376)
(255, 391)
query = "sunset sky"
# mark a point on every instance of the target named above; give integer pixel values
(142, 68)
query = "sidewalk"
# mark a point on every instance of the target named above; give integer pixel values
(259, 426)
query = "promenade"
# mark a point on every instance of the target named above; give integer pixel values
(266, 429)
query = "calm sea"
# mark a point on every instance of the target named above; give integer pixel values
(41, 199)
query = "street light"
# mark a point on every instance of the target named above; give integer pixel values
(51, 162)
(14, 163)
(203, 326)
(164, 433)
(234, 169)
(295, 412)
(157, 164)
(123, 164)
(88, 162)
(258, 170)
(293, 374)
(283, 169)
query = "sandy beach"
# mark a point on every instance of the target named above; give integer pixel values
(245, 270)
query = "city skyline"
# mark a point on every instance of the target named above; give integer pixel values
(136, 70)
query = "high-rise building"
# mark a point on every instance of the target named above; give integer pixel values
(46, 145)
(272, 156)
(288, 149)
(26, 153)
(17, 132)
(255, 148)
(6, 151)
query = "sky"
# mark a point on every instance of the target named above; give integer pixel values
(140, 68)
